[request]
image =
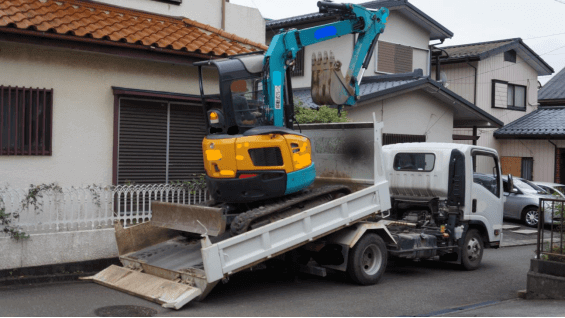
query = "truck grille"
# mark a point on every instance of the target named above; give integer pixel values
(266, 157)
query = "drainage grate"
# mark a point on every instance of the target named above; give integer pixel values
(125, 311)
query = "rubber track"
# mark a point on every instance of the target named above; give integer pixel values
(242, 222)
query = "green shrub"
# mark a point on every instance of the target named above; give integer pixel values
(306, 115)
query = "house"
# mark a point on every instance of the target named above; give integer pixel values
(95, 93)
(501, 78)
(543, 130)
(396, 86)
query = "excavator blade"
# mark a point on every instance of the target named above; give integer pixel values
(329, 87)
(188, 218)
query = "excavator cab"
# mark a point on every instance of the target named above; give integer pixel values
(246, 157)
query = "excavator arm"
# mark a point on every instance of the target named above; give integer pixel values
(329, 86)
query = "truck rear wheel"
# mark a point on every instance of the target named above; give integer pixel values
(472, 251)
(367, 260)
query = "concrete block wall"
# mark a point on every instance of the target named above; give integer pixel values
(57, 248)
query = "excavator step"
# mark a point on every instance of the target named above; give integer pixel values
(167, 293)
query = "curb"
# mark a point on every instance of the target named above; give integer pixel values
(54, 273)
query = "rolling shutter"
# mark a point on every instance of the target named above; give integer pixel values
(159, 141)
(187, 129)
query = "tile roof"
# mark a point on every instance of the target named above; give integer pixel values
(483, 50)
(544, 123)
(554, 89)
(76, 20)
(475, 49)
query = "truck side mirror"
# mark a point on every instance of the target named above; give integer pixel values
(511, 188)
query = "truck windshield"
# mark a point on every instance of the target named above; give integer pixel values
(248, 105)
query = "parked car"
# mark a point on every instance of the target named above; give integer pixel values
(522, 202)
(552, 188)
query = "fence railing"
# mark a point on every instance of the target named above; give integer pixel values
(551, 216)
(91, 207)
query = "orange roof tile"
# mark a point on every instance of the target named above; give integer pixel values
(110, 24)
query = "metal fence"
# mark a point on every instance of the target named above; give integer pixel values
(551, 216)
(90, 207)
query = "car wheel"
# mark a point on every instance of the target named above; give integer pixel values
(472, 252)
(367, 260)
(530, 216)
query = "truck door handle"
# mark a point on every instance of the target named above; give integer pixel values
(474, 208)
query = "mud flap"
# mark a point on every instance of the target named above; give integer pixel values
(188, 218)
(167, 293)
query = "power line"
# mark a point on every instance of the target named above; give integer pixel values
(544, 36)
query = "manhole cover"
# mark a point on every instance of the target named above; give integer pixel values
(125, 311)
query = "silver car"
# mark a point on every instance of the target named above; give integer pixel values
(552, 188)
(522, 202)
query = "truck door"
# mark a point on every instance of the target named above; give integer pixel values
(486, 193)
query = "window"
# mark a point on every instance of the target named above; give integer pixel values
(298, 69)
(389, 139)
(394, 58)
(485, 172)
(414, 162)
(510, 56)
(510, 96)
(516, 96)
(25, 121)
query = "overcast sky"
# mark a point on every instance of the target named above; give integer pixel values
(540, 23)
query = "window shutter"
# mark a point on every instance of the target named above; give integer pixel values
(187, 129)
(403, 59)
(499, 94)
(142, 152)
(386, 57)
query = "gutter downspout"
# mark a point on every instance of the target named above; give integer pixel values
(475, 92)
(555, 164)
(224, 14)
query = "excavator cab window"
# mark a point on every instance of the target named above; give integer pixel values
(248, 103)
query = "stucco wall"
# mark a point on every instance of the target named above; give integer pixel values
(413, 113)
(248, 21)
(83, 108)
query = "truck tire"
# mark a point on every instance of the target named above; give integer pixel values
(367, 260)
(472, 251)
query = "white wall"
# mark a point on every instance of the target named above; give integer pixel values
(542, 151)
(246, 22)
(83, 108)
(413, 113)
(240, 20)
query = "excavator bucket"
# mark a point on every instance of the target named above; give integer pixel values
(329, 87)
(160, 265)
(188, 218)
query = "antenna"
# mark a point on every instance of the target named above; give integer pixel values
(443, 79)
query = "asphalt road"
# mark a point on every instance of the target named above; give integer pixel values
(407, 289)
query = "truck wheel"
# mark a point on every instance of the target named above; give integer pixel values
(530, 216)
(367, 260)
(472, 252)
